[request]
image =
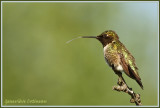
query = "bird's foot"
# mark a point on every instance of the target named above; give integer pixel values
(120, 81)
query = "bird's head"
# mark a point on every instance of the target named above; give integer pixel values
(107, 37)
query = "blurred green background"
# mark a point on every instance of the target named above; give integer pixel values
(38, 64)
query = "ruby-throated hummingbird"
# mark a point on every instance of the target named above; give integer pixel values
(116, 55)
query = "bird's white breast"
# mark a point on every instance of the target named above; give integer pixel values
(105, 48)
(119, 68)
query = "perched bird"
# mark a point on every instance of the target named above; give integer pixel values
(117, 56)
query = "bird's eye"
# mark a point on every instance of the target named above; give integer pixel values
(106, 36)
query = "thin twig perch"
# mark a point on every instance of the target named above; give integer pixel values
(122, 86)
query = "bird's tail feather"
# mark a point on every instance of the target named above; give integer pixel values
(140, 83)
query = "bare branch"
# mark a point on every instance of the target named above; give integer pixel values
(122, 86)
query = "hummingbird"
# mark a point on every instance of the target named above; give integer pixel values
(116, 55)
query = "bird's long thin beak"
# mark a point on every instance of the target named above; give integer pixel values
(88, 36)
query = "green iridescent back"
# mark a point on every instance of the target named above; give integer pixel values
(129, 59)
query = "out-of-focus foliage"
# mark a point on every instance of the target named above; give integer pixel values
(38, 64)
